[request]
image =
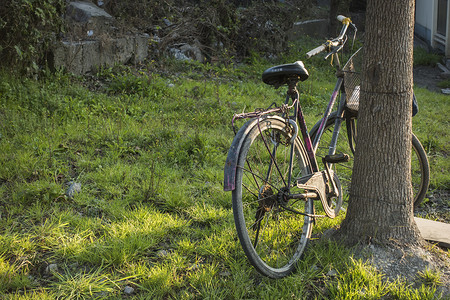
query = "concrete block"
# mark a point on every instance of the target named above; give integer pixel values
(83, 11)
(435, 232)
(81, 57)
(87, 21)
(92, 40)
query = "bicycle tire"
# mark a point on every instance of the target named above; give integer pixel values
(420, 170)
(272, 237)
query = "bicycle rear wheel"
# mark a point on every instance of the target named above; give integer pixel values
(270, 228)
(420, 170)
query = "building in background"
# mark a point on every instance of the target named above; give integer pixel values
(433, 23)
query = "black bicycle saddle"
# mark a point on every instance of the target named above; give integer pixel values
(282, 74)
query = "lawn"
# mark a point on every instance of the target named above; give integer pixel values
(142, 151)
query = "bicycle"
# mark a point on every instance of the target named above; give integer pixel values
(420, 170)
(275, 177)
(345, 119)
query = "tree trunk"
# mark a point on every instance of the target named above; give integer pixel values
(380, 205)
(333, 23)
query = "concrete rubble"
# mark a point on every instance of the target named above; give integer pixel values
(93, 40)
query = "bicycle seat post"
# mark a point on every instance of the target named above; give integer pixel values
(292, 89)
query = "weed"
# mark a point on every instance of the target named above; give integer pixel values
(360, 281)
(445, 84)
(423, 58)
(84, 285)
(401, 290)
(430, 277)
(13, 276)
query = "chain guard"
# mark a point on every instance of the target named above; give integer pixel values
(318, 182)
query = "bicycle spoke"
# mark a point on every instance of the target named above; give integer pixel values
(265, 228)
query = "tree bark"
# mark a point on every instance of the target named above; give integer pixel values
(380, 205)
(333, 23)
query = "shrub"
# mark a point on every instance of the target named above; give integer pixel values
(28, 28)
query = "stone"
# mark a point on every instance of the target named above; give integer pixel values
(128, 290)
(86, 20)
(178, 54)
(193, 52)
(187, 52)
(83, 11)
(162, 253)
(51, 268)
(92, 40)
(74, 188)
(332, 273)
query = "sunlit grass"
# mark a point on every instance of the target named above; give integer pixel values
(148, 151)
(83, 285)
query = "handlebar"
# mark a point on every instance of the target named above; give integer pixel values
(316, 50)
(336, 44)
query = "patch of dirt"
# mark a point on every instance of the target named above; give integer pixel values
(428, 77)
(408, 263)
(437, 207)
(405, 263)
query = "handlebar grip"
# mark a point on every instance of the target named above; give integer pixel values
(344, 20)
(315, 51)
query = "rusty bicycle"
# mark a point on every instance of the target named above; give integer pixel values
(272, 167)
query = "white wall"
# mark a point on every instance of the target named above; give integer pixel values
(424, 18)
(424, 13)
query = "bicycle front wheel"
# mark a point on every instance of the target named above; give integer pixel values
(342, 170)
(420, 170)
(273, 229)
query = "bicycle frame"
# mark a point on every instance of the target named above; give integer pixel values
(311, 146)
(274, 173)
(340, 110)
(333, 46)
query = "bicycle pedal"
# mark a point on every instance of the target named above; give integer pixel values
(336, 158)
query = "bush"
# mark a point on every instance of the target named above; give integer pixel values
(28, 28)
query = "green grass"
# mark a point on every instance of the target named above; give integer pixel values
(423, 58)
(430, 126)
(148, 149)
(445, 84)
